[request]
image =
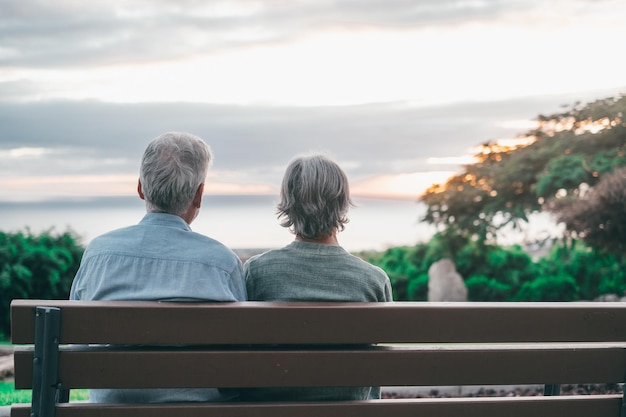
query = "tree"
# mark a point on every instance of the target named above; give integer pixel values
(599, 217)
(566, 153)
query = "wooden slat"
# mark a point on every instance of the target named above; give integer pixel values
(574, 406)
(307, 323)
(384, 366)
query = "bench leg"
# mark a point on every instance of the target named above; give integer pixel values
(623, 410)
(552, 389)
(63, 395)
(45, 361)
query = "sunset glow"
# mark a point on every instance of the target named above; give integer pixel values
(401, 93)
(404, 186)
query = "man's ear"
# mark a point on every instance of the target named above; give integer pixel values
(197, 200)
(139, 190)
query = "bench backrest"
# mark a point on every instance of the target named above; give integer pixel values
(327, 344)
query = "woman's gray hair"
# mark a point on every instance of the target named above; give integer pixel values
(172, 168)
(314, 197)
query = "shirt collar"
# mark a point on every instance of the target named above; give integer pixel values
(165, 219)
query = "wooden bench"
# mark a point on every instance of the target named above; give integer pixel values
(235, 345)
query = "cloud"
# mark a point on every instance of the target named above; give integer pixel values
(64, 33)
(251, 144)
(306, 52)
(438, 78)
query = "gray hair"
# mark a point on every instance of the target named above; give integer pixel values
(172, 168)
(314, 197)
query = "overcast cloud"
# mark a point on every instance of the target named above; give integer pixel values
(66, 33)
(85, 85)
(94, 138)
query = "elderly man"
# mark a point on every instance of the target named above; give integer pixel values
(161, 258)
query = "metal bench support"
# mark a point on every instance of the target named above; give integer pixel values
(551, 389)
(622, 412)
(45, 362)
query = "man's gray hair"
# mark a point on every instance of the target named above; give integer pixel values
(314, 197)
(172, 168)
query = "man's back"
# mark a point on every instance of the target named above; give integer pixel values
(158, 259)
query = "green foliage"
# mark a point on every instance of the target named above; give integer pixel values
(554, 288)
(8, 394)
(563, 172)
(495, 272)
(35, 266)
(570, 271)
(481, 288)
(594, 272)
(507, 183)
(511, 266)
(418, 288)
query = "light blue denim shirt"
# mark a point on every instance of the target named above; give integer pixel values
(159, 259)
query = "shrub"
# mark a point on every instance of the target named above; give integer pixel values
(570, 271)
(418, 288)
(557, 288)
(35, 266)
(595, 272)
(481, 288)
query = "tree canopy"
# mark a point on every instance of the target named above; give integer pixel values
(599, 217)
(548, 168)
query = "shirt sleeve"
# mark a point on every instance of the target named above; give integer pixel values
(75, 290)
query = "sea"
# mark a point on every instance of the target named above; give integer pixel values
(241, 222)
(247, 222)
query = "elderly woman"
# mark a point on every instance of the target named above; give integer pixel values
(314, 202)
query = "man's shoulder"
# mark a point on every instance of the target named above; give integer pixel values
(112, 237)
(139, 240)
(206, 242)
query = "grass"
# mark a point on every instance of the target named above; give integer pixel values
(9, 395)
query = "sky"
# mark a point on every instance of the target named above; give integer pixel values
(399, 92)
